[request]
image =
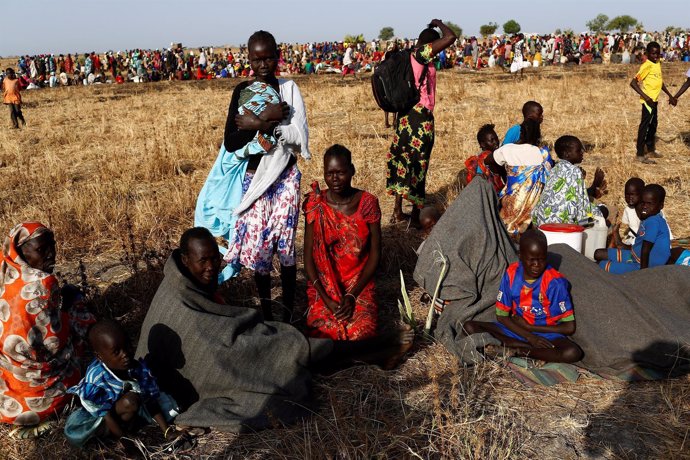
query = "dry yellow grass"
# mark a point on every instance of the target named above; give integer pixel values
(115, 171)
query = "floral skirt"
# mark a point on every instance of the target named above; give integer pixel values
(268, 226)
(409, 154)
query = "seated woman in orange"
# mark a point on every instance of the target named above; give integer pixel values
(41, 331)
(342, 249)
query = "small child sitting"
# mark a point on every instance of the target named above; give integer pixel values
(630, 219)
(565, 198)
(116, 391)
(633, 190)
(652, 245)
(533, 309)
(428, 217)
(482, 165)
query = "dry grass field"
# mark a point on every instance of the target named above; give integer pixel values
(115, 171)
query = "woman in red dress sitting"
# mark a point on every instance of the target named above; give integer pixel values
(342, 249)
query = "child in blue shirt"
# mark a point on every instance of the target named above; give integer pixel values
(652, 245)
(531, 110)
(116, 391)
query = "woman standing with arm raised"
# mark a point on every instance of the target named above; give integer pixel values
(408, 159)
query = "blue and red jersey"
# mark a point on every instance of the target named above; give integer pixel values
(543, 302)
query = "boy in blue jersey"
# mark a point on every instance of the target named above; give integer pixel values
(652, 245)
(534, 311)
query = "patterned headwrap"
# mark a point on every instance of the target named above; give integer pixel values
(12, 263)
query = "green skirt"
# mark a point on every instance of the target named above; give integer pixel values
(408, 159)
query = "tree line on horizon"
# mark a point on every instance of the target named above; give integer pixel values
(601, 23)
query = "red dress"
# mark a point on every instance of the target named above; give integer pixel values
(341, 250)
(476, 167)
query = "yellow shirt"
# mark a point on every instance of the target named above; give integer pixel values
(649, 77)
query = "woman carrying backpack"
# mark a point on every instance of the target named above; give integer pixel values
(413, 140)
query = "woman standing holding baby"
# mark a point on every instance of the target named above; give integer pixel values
(262, 221)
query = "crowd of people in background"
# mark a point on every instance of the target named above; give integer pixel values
(512, 53)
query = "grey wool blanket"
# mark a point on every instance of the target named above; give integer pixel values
(473, 238)
(226, 367)
(641, 319)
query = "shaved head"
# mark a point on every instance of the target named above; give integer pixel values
(532, 238)
(105, 328)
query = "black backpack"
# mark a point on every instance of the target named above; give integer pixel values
(393, 83)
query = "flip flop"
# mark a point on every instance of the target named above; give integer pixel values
(183, 444)
(33, 431)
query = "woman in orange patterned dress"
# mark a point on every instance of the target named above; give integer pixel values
(342, 249)
(39, 328)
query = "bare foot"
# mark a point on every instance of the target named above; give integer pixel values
(401, 342)
(399, 217)
(499, 351)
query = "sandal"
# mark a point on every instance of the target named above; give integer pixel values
(184, 443)
(645, 160)
(33, 431)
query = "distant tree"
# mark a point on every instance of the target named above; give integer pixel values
(557, 32)
(454, 27)
(511, 27)
(673, 30)
(622, 23)
(354, 38)
(639, 27)
(569, 32)
(488, 29)
(598, 24)
(386, 33)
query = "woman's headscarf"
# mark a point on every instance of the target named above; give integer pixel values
(11, 258)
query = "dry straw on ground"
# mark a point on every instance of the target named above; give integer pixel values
(115, 171)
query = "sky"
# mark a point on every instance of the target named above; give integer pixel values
(62, 26)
